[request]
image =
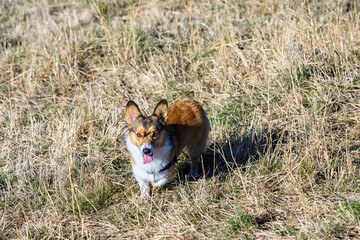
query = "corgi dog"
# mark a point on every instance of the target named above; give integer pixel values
(156, 141)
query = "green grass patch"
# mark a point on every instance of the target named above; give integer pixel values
(232, 115)
(147, 41)
(241, 221)
(288, 230)
(351, 207)
(98, 198)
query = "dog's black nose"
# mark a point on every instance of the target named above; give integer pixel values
(146, 150)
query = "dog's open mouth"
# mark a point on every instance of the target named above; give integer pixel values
(148, 158)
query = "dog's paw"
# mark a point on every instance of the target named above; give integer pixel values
(160, 183)
(145, 198)
(145, 192)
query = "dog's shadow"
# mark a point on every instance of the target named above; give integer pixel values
(221, 158)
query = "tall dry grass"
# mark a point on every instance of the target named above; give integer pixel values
(280, 83)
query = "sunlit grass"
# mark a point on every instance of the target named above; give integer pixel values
(280, 83)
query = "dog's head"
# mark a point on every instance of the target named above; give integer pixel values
(147, 133)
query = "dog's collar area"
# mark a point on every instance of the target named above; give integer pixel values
(169, 165)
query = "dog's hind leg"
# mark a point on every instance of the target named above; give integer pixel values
(195, 157)
(195, 150)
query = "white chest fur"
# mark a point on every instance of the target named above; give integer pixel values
(150, 172)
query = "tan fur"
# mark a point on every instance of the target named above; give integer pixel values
(188, 121)
(148, 136)
(132, 162)
(190, 127)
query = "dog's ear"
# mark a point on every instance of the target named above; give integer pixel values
(161, 111)
(132, 112)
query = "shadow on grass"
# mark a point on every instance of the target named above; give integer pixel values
(219, 159)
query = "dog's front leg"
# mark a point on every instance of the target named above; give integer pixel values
(160, 183)
(145, 190)
(144, 185)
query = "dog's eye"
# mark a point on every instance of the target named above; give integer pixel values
(138, 135)
(155, 134)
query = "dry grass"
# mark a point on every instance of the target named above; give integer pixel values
(279, 80)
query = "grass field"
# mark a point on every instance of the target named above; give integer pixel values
(280, 81)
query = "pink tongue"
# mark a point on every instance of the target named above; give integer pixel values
(147, 158)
